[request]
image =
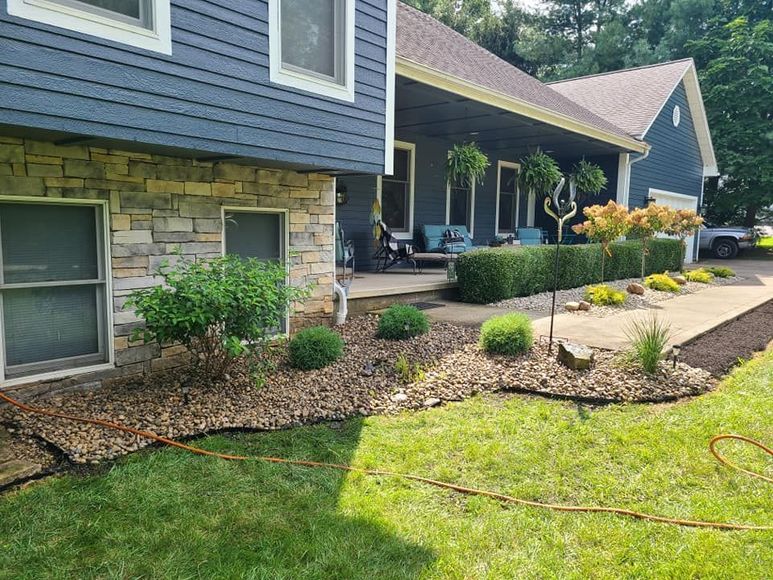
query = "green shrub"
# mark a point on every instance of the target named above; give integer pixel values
(401, 321)
(699, 275)
(315, 347)
(220, 309)
(661, 282)
(509, 334)
(648, 339)
(491, 275)
(603, 295)
(721, 271)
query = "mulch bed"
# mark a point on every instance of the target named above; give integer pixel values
(720, 350)
(363, 382)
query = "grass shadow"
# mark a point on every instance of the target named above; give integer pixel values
(170, 514)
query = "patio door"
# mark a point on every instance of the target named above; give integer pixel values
(460, 206)
(260, 234)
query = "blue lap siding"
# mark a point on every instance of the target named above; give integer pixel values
(674, 163)
(212, 94)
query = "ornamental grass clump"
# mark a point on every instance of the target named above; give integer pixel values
(603, 295)
(401, 321)
(700, 275)
(661, 282)
(509, 334)
(604, 224)
(315, 348)
(222, 310)
(648, 339)
(721, 271)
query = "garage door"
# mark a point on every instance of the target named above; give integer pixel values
(678, 201)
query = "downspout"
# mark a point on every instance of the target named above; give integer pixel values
(343, 309)
(641, 157)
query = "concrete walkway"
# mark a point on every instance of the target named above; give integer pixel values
(690, 315)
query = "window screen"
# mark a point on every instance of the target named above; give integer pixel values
(460, 210)
(313, 38)
(508, 192)
(139, 12)
(52, 287)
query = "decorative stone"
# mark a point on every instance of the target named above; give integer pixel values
(399, 397)
(681, 280)
(572, 306)
(577, 357)
(635, 288)
(16, 470)
(584, 305)
(432, 402)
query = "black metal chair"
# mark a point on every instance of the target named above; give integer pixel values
(392, 251)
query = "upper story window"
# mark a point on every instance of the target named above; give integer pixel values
(141, 23)
(312, 45)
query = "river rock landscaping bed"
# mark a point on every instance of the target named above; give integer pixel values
(541, 302)
(363, 382)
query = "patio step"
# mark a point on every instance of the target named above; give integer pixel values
(16, 470)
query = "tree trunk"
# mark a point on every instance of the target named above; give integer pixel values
(750, 218)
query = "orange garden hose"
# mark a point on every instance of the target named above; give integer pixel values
(458, 488)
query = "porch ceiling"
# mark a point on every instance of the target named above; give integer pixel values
(427, 111)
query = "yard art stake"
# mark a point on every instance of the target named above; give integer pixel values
(566, 209)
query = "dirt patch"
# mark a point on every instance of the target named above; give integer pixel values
(721, 349)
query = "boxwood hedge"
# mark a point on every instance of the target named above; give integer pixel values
(492, 274)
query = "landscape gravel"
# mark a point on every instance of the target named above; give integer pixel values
(541, 302)
(363, 382)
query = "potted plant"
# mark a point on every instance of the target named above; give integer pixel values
(539, 173)
(466, 165)
(588, 177)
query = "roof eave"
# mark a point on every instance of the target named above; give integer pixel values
(453, 84)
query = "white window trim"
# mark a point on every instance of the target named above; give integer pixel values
(109, 328)
(306, 82)
(517, 167)
(158, 40)
(472, 207)
(279, 211)
(411, 148)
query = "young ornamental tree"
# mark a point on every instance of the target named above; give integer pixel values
(604, 224)
(685, 223)
(645, 223)
(223, 310)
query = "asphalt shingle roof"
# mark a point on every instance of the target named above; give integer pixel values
(632, 98)
(428, 42)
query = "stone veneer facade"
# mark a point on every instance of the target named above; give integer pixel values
(158, 204)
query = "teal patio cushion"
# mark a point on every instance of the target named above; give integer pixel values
(432, 238)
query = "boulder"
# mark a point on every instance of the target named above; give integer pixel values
(572, 306)
(681, 280)
(584, 305)
(635, 288)
(577, 357)
(431, 402)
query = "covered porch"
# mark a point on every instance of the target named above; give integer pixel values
(429, 121)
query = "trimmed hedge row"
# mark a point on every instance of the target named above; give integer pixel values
(493, 274)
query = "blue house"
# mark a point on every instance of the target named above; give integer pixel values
(131, 130)
(451, 91)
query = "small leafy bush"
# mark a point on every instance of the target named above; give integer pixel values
(721, 271)
(661, 282)
(509, 334)
(401, 321)
(603, 295)
(222, 310)
(699, 275)
(648, 339)
(315, 347)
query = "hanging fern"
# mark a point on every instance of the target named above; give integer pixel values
(588, 177)
(466, 164)
(539, 173)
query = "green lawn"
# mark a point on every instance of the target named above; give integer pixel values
(162, 514)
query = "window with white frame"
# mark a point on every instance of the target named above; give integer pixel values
(507, 198)
(396, 190)
(53, 288)
(140, 23)
(460, 205)
(311, 45)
